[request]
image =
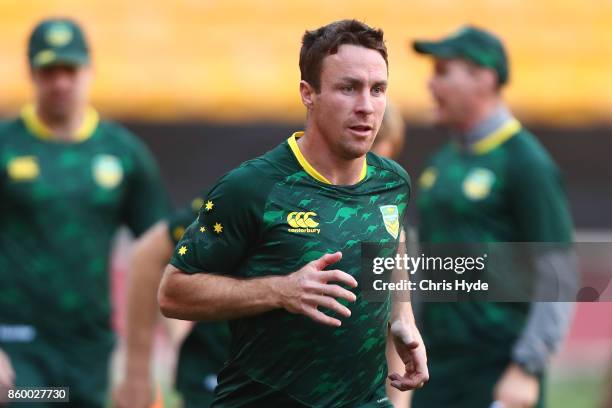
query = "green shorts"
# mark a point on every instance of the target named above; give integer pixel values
(197, 390)
(238, 390)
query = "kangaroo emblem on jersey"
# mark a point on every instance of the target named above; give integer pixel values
(107, 170)
(477, 185)
(390, 216)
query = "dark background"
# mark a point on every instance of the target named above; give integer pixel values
(193, 155)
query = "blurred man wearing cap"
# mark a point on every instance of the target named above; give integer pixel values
(493, 182)
(67, 181)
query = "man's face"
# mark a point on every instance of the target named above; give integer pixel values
(61, 89)
(456, 88)
(351, 103)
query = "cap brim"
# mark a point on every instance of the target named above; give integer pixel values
(71, 59)
(439, 49)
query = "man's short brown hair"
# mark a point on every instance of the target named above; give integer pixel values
(326, 40)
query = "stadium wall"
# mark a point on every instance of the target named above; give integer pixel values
(193, 155)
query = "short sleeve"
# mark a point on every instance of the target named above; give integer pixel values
(539, 201)
(146, 201)
(408, 197)
(228, 226)
(179, 220)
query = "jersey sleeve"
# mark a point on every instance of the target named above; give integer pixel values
(147, 200)
(406, 190)
(228, 226)
(539, 201)
(179, 220)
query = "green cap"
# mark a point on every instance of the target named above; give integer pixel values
(57, 41)
(476, 45)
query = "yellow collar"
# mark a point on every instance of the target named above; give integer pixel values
(308, 167)
(497, 137)
(42, 131)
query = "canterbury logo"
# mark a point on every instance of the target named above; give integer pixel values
(303, 221)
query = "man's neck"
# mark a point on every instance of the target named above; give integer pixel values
(468, 131)
(63, 129)
(337, 170)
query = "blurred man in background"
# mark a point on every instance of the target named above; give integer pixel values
(205, 349)
(67, 182)
(390, 139)
(493, 182)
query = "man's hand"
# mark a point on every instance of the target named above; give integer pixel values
(410, 347)
(133, 393)
(7, 375)
(308, 288)
(517, 389)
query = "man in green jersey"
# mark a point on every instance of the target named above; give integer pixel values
(493, 182)
(205, 349)
(278, 238)
(67, 181)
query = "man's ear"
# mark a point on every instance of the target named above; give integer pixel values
(487, 79)
(308, 94)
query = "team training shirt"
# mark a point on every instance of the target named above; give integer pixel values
(60, 204)
(505, 189)
(271, 216)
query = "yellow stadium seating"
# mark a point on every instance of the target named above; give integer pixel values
(237, 60)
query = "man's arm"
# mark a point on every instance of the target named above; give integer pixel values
(224, 233)
(547, 324)
(407, 340)
(395, 365)
(151, 253)
(410, 347)
(551, 314)
(542, 215)
(208, 296)
(7, 374)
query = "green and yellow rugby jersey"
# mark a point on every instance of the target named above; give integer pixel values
(271, 216)
(506, 188)
(60, 204)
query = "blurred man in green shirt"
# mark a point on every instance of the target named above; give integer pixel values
(67, 181)
(493, 182)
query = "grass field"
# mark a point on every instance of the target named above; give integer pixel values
(576, 392)
(571, 392)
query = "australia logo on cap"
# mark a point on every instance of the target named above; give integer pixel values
(58, 35)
